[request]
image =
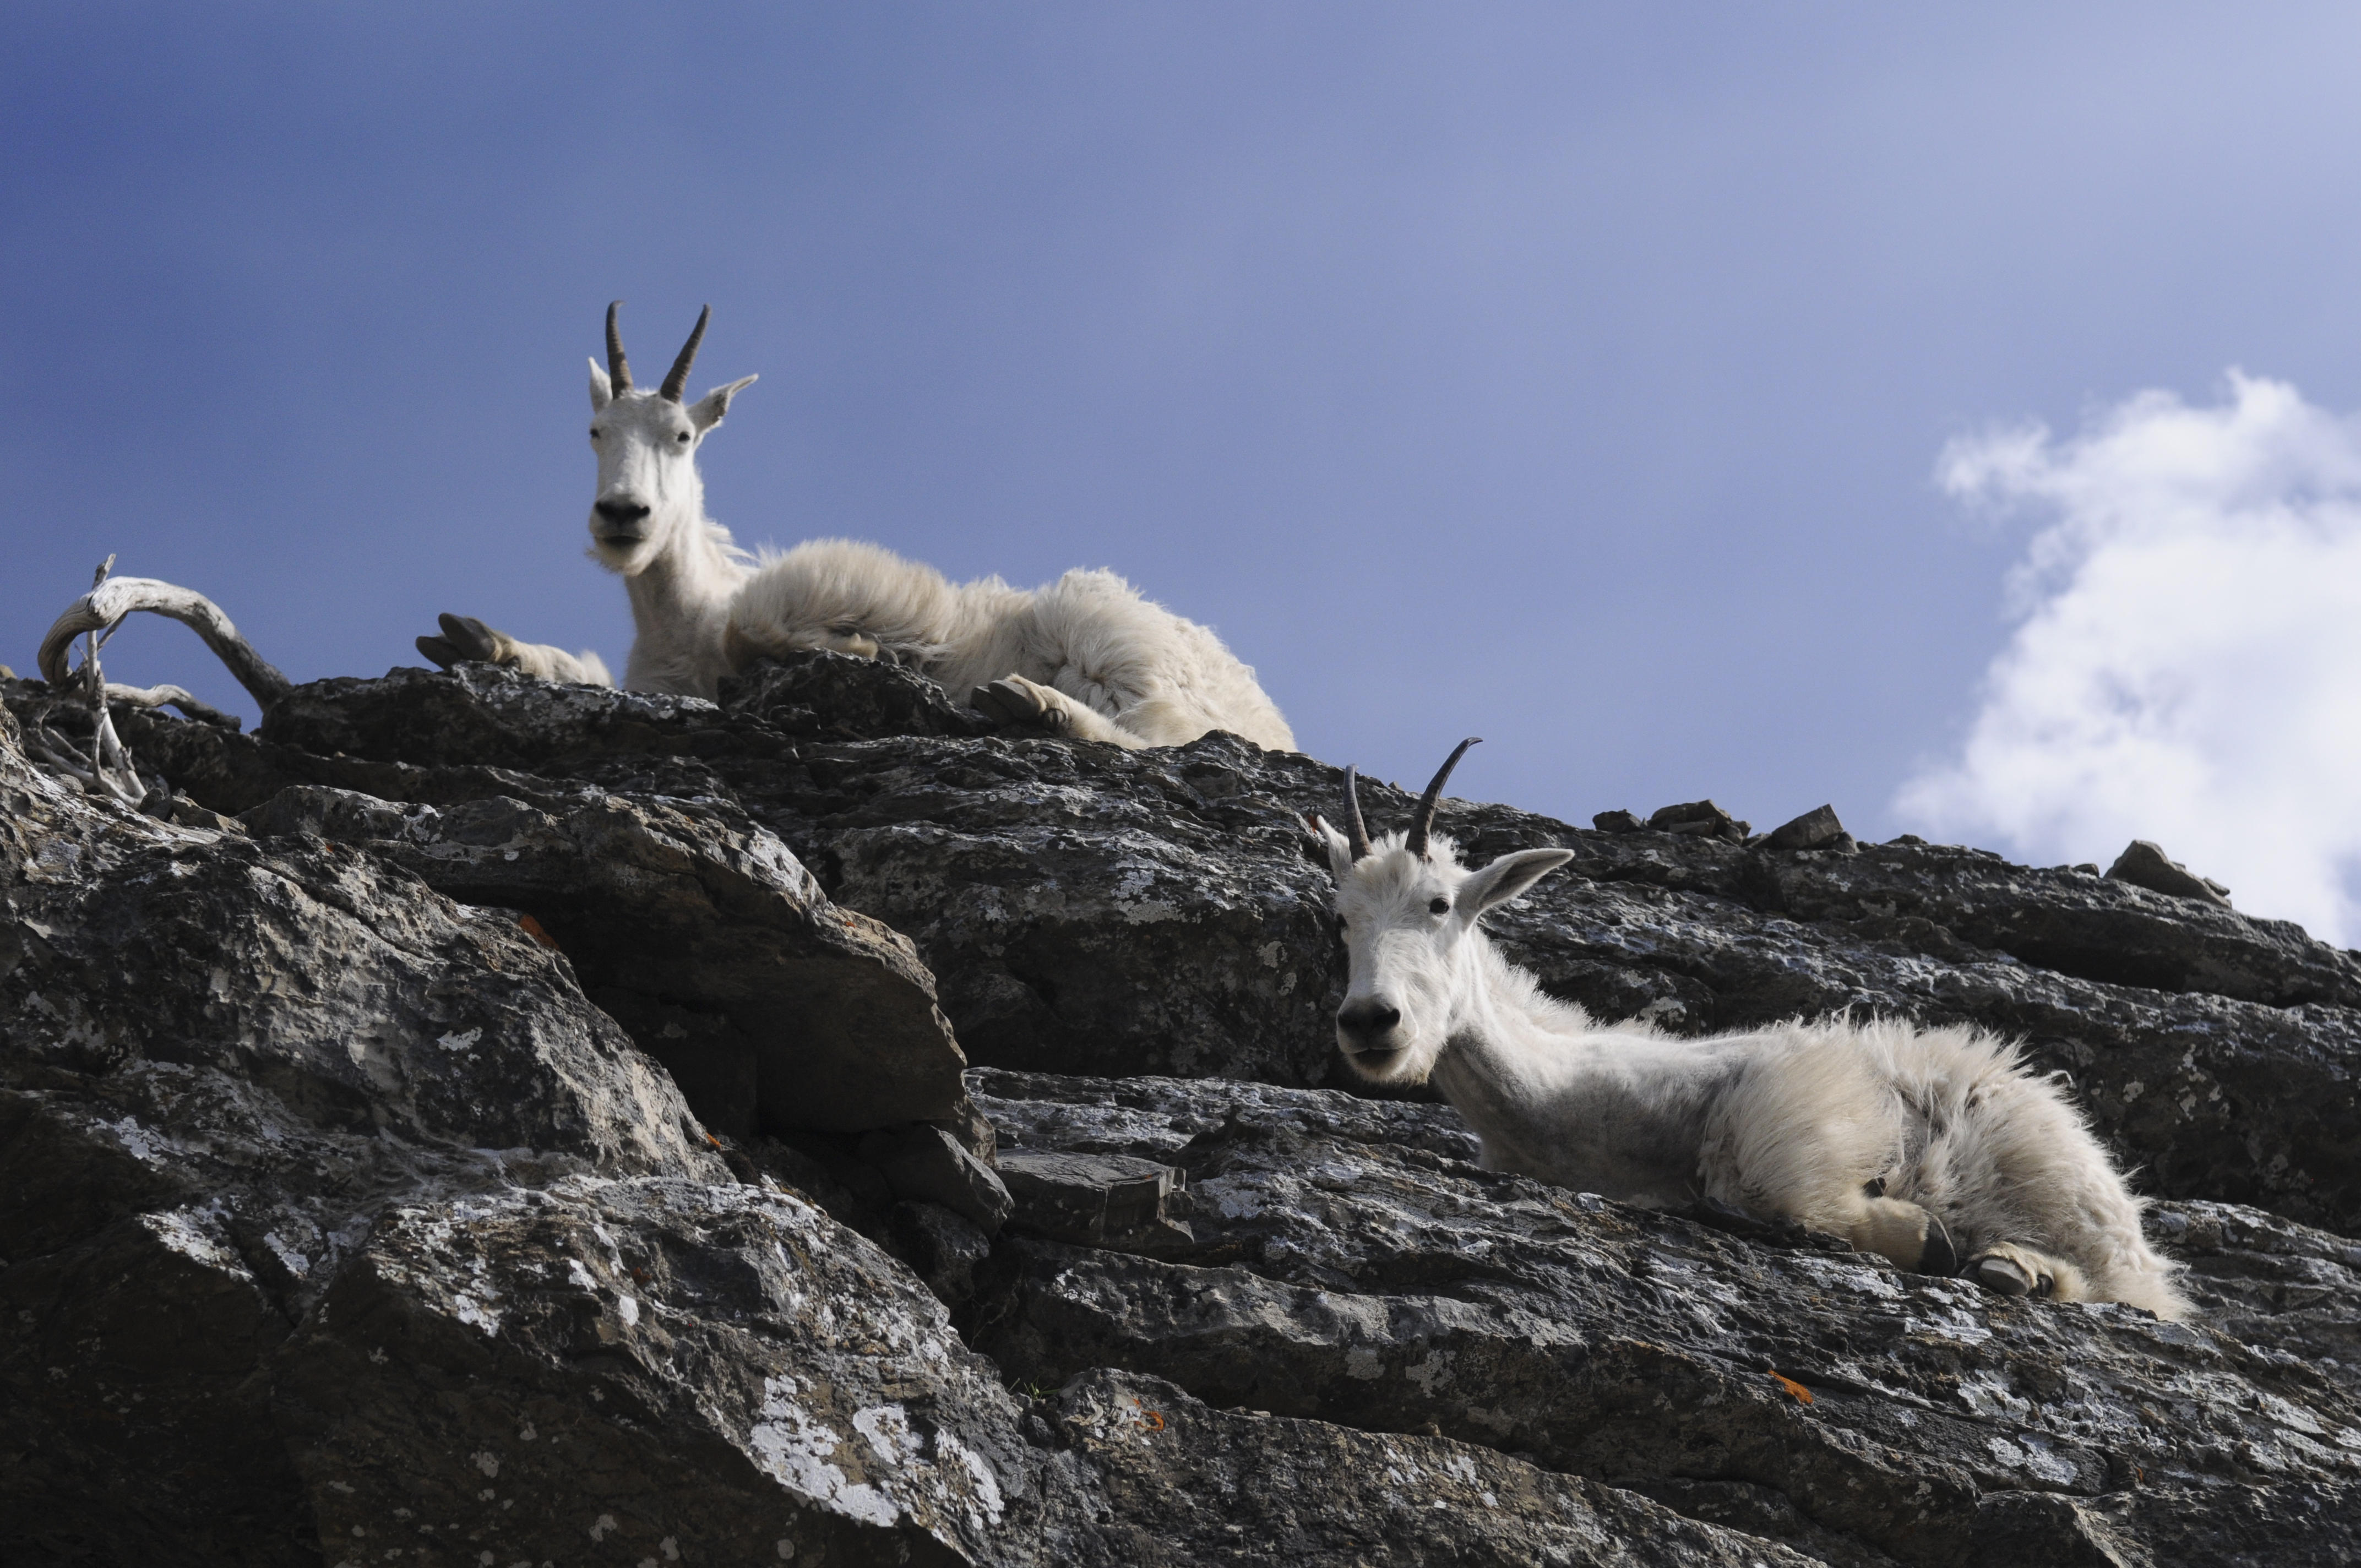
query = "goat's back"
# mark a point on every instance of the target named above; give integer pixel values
(800, 599)
(1947, 1118)
(1164, 677)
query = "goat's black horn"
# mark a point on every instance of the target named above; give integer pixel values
(1356, 833)
(1423, 823)
(619, 369)
(675, 380)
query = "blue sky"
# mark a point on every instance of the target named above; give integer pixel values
(1568, 375)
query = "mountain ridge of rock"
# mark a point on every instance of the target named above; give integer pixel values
(499, 1117)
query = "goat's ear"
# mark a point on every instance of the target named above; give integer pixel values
(602, 391)
(1508, 878)
(707, 412)
(1339, 849)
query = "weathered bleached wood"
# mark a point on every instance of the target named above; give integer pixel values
(104, 608)
(173, 696)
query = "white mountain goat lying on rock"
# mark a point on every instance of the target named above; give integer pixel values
(1084, 656)
(1933, 1148)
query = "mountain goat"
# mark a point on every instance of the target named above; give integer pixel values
(1933, 1148)
(1084, 656)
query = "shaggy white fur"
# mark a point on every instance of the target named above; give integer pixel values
(1115, 666)
(1933, 1148)
(1085, 655)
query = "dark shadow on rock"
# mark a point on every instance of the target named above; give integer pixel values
(709, 935)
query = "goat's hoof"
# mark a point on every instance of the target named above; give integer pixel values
(1014, 700)
(442, 652)
(472, 637)
(2004, 1276)
(994, 703)
(1940, 1256)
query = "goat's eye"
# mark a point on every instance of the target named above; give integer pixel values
(681, 436)
(594, 435)
(1438, 907)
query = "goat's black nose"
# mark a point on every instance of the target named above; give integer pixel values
(1368, 1020)
(621, 511)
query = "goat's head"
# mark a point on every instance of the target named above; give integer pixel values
(648, 489)
(1407, 909)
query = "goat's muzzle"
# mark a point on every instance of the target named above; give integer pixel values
(1365, 1025)
(621, 521)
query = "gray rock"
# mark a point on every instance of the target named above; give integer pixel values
(2144, 864)
(926, 1165)
(1097, 1197)
(1817, 829)
(942, 1248)
(337, 1223)
(1616, 822)
(698, 929)
(220, 1060)
(624, 1364)
(484, 715)
(1699, 817)
(847, 698)
(1199, 1485)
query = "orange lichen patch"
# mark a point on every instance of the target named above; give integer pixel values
(531, 927)
(1803, 1394)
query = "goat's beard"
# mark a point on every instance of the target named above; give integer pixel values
(1407, 1065)
(624, 560)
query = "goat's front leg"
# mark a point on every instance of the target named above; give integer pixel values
(1013, 699)
(466, 639)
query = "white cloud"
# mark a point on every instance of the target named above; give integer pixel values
(2188, 663)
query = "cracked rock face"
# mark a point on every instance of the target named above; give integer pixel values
(1352, 1264)
(494, 1117)
(341, 1226)
(1083, 909)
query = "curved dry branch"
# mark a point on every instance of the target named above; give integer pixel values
(104, 606)
(173, 696)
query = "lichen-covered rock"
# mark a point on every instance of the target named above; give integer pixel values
(1187, 1484)
(614, 1372)
(599, 1371)
(218, 1061)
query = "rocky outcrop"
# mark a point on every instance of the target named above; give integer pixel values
(1351, 1263)
(2143, 865)
(221, 1060)
(772, 1007)
(1084, 909)
(339, 1224)
(485, 1117)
